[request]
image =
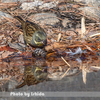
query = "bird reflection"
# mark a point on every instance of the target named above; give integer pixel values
(33, 75)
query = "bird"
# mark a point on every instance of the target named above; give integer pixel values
(32, 76)
(33, 34)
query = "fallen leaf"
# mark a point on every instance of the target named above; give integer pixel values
(5, 54)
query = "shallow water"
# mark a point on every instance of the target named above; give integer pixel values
(12, 73)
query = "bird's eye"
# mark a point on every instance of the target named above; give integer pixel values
(39, 39)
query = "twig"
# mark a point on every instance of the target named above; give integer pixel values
(65, 73)
(65, 61)
(83, 30)
(59, 37)
(84, 73)
(67, 69)
(8, 19)
(89, 48)
(95, 34)
(6, 79)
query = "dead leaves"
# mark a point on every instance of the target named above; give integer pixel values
(9, 5)
(66, 48)
(56, 45)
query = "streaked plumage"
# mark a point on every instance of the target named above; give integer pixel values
(34, 35)
(33, 75)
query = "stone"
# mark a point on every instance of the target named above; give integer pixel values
(94, 3)
(46, 18)
(31, 5)
(91, 12)
(48, 5)
(37, 3)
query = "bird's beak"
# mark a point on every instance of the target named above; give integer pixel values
(44, 42)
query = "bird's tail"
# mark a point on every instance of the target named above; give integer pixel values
(21, 85)
(19, 19)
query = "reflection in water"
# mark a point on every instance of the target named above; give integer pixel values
(34, 70)
(33, 75)
(27, 72)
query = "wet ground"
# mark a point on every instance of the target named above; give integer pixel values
(13, 73)
(68, 84)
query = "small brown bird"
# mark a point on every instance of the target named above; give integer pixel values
(34, 35)
(33, 75)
